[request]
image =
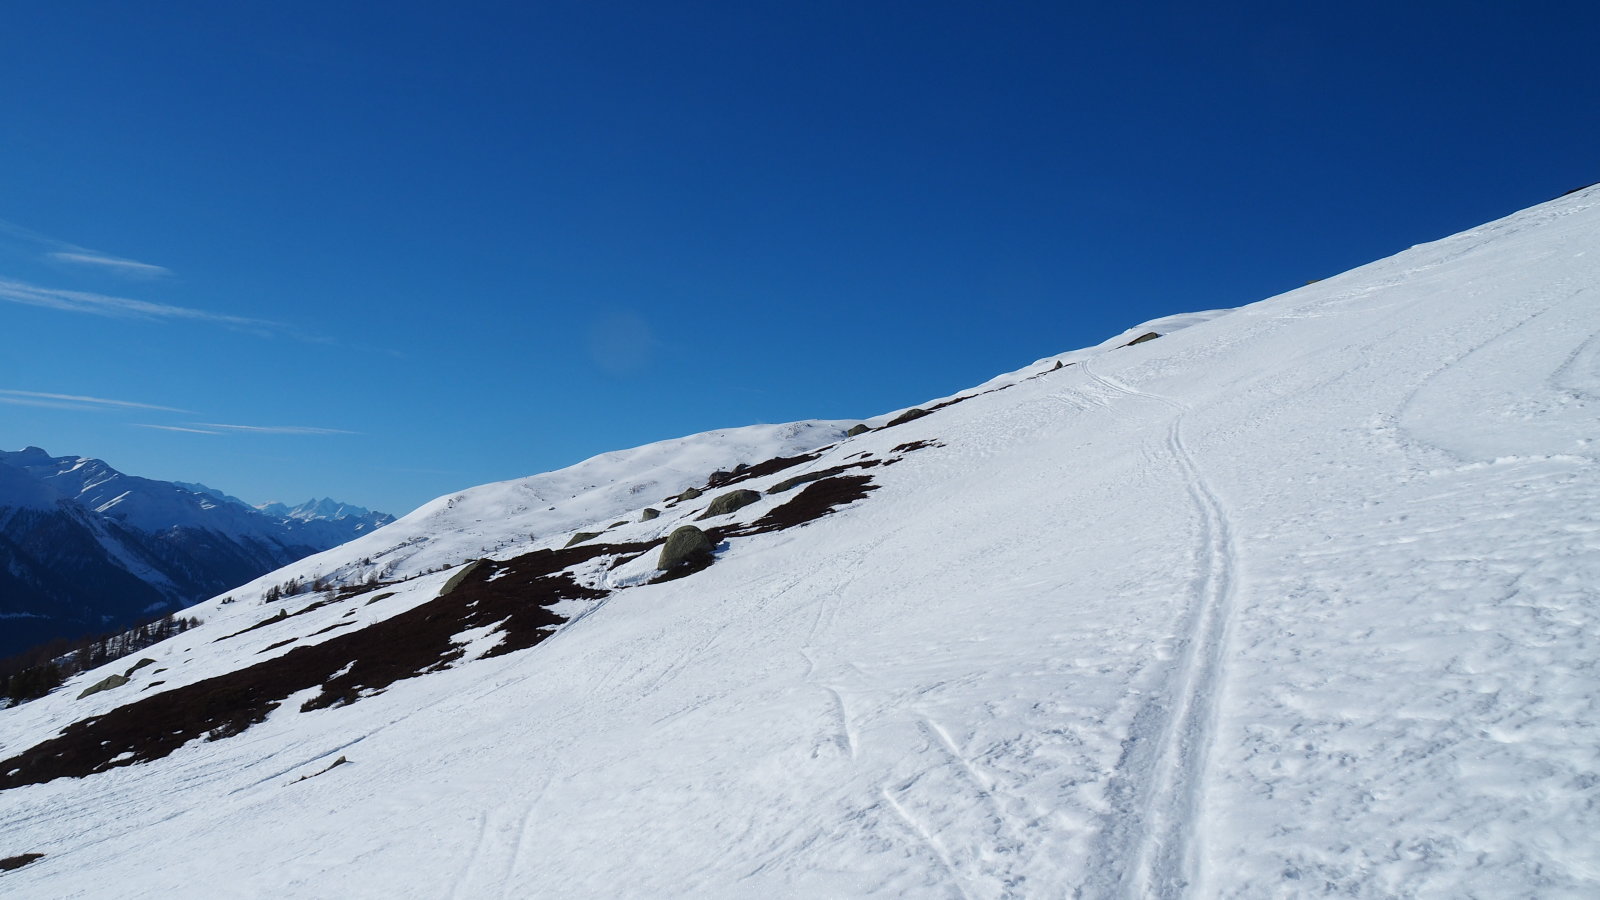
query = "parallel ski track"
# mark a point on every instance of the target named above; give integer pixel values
(1149, 848)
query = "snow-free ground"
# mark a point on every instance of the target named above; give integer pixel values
(1300, 599)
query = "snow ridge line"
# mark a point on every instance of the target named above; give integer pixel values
(1158, 789)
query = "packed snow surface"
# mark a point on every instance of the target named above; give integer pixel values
(1299, 599)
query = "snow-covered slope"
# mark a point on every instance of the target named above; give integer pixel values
(1299, 599)
(495, 519)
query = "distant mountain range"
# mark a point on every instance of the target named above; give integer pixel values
(85, 548)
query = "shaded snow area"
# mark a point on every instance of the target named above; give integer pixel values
(1297, 599)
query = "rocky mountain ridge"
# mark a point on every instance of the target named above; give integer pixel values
(85, 548)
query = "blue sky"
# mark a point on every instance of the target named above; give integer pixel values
(385, 251)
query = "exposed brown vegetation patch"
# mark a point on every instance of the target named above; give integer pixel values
(17, 862)
(951, 402)
(273, 620)
(365, 661)
(761, 469)
(817, 500)
(910, 415)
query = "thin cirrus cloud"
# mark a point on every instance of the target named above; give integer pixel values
(120, 307)
(175, 428)
(105, 262)
(272, 429)
(78, 401)
(72, 254)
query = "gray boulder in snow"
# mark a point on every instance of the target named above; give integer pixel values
(690, 494)
(727, 503)
(857, 429)
(582, 536)
(147, 661)
(649, 514)
(105, 684)
(796, 481)
(457, 578)
(686, 544)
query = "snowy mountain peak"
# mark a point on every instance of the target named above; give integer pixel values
(84, 547)
(325, 508)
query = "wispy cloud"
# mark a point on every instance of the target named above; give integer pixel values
(76, 401)
(273, 429)
(111, 263)
(175, 428)
(121, 307)
(62, 251)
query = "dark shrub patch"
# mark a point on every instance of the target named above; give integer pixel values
(817, 500)
(909, 415)
(759, 470)
(273, 620)
(412, 643)
(17, 862)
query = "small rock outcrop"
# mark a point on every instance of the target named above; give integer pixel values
(687, 544)
(457, 578)
(648, 514)
(580, 537)
(105, 684)
(796, 481)
(690, 494)
(727, 503)
(1147, 336)
(857, 429)
(147, 661)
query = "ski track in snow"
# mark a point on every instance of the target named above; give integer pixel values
(1159, 784)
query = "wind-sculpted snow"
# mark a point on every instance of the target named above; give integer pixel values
(1298, 599)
